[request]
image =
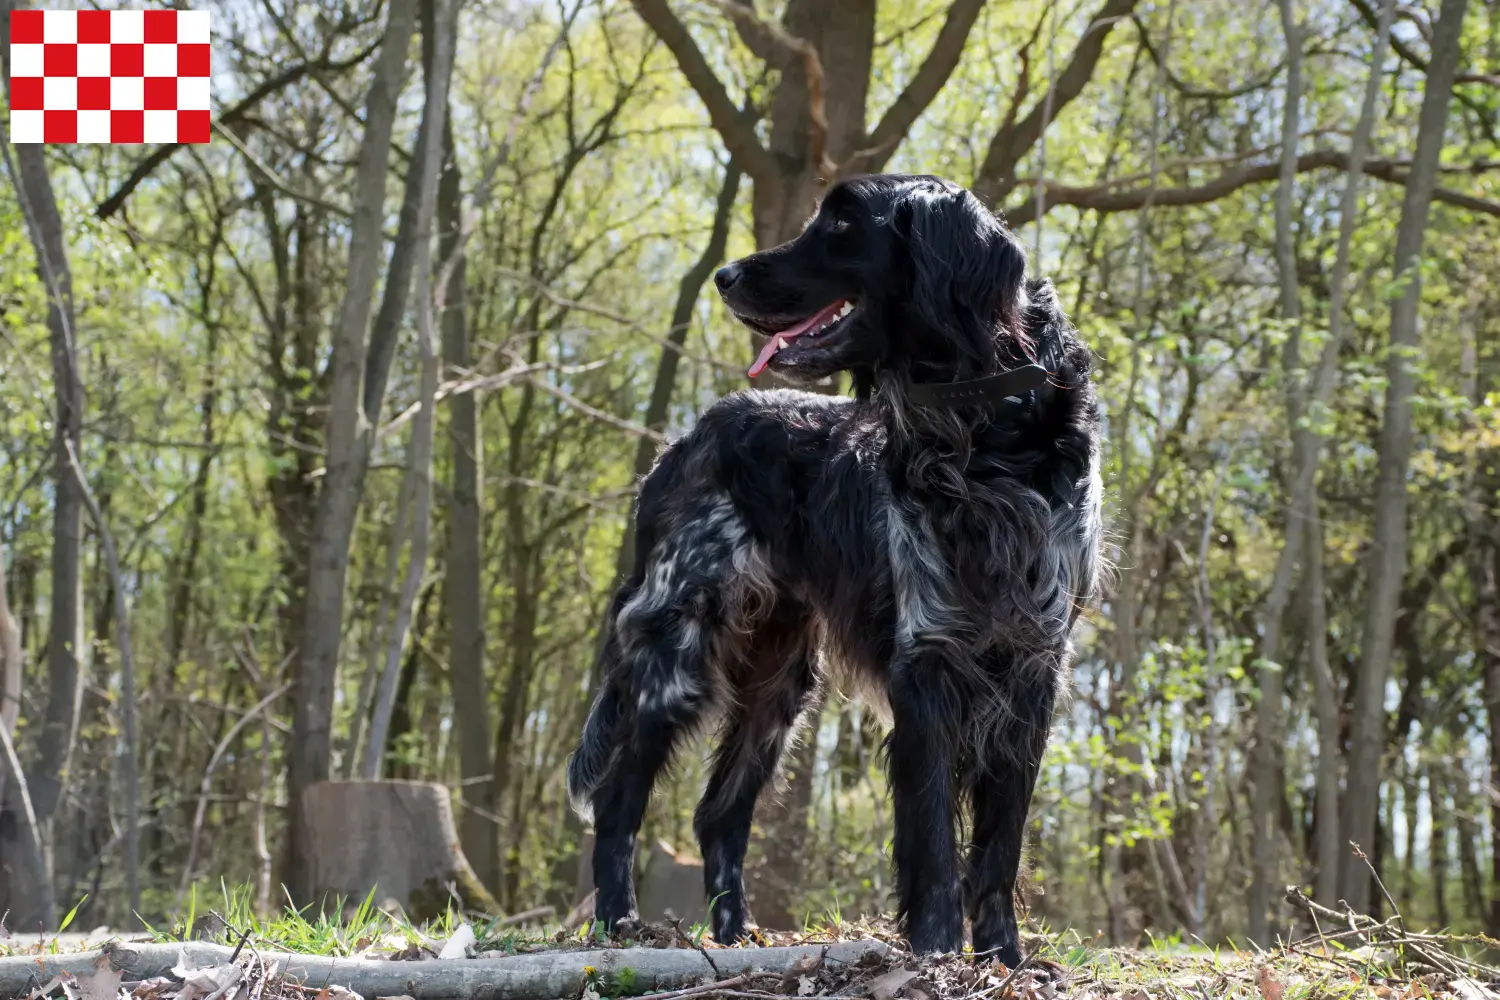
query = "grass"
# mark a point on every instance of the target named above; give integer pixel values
(1367, 965)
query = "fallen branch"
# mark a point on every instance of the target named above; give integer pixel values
(539, 976)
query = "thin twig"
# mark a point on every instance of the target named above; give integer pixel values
(999, 991)
(127, 677)
(630, 427)
(31, 823)
(1381, 885)
(700, 990)
(208, 773)
(698, 944)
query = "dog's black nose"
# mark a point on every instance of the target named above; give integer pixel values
(726, 276)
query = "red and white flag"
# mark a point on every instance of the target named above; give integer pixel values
(109, 76)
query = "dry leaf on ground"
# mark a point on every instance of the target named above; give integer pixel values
(887, 986)
(205, 984)
(103, 983)
(1270, 987)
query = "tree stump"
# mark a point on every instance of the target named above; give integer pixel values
(396, 837)
(666, 882)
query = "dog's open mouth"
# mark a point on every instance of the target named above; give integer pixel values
(820, 324)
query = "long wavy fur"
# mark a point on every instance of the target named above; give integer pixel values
(936, 557)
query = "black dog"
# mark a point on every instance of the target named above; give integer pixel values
(934, 538)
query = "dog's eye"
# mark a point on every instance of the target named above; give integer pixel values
(839, 225)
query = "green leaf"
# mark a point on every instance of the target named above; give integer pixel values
(71, 914)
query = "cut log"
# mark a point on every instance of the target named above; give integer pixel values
(395, 837)
(540, 976)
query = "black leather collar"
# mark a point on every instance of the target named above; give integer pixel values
(979, 391)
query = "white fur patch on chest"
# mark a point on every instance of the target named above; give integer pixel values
(922, 581)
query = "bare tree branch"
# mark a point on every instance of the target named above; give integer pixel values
(109, 206)
(942, 59)
(628, 426)
(732, 124)
(996, 177)
(1188, 90)
(207, 785)
(270, 177)
(1104, 198)
(1414, 58)
(812, 67)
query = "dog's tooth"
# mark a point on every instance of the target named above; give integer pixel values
(780, 341)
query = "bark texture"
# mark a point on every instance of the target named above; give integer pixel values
(464, 590)
(438, 41)
(358, 376)
(59, 728)
(1386, 562)
(1269, 675)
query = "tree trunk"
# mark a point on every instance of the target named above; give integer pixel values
(1387, 556)
(1484, 571)
(10, 670)
(1437, 808)
(438, 39)
(1307, 452)
(1120, 785)
(463, 595)
(844, 36)
(402, 719)
(350, 431)
(1328, 848)
(380, 628)
(59, 728)
(778, 884)
(187, 566)
(1270, 677)
(295, 423)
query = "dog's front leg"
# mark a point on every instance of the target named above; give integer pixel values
(926, 713)
(1009, 761)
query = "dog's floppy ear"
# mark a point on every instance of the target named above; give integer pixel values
(966, 267)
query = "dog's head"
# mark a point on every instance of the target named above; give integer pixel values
(894, 272)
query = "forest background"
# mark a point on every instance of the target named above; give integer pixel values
(318, 443)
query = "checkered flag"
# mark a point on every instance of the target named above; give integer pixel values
(109, 76)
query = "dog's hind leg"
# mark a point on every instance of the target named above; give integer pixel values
(670, 694)
(670, 635)
(1001, 784)
(764, 716)
(923, 751)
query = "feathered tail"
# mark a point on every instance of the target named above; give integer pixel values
(596, 751)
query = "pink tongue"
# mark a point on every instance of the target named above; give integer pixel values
(774, 344)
